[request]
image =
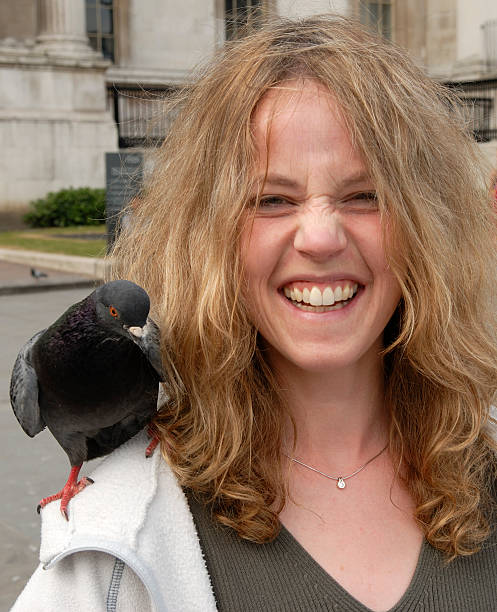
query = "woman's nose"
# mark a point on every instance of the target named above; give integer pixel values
(320, 234)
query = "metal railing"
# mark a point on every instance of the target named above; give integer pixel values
(489, 31)
(142, 120)
(140, 114)
(479, 104)
(239, 13)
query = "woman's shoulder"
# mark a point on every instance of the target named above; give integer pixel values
(113, 508)
(134, 517)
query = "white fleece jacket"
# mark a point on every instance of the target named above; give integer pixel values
(130, 544)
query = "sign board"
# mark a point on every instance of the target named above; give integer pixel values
(123, 180)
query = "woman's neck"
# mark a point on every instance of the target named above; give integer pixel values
(340, 415)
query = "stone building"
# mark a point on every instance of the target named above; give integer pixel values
(455, 41)
(79, 78)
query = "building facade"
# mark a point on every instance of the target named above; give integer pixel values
(79, 78)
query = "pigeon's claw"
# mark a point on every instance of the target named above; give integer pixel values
(71, 488)
(149, 451)
(69, 492)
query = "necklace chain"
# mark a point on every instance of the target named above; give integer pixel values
(340, 480)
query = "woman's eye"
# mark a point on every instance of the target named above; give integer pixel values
(273, 202)
(363, 201)
(273, 206)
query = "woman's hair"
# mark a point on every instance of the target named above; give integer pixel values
(221, 429)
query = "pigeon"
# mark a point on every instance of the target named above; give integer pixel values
(35, 273)
(92, 378)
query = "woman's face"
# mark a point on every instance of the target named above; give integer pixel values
(319, 288)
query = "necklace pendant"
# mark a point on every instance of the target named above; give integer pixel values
(340, 483)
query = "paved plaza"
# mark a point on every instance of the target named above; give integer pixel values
(31, 468)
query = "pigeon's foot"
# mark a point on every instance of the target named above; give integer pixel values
(71, 488)
(153, 443)
(151, 447)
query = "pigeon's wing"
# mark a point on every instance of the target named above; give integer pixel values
(24, 390)
(149, 343)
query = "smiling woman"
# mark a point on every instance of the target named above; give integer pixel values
(320, 250)
(318, 227)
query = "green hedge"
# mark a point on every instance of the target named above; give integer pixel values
(83, 206)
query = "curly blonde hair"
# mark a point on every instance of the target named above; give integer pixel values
(221, 429)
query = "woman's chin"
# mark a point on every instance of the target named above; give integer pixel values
(314, 361)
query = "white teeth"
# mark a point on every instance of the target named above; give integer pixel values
(316, 299)
(328, 297)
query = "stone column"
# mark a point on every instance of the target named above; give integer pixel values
(62, 28)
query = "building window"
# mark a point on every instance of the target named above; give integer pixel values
(240, 12)
(378, 16)
(100, 26)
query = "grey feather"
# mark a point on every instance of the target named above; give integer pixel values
(24, 390)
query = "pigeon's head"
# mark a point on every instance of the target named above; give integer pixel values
(122, 305)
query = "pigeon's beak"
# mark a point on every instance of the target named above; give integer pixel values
(136, 331)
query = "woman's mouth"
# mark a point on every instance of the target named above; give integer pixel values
(320, 298)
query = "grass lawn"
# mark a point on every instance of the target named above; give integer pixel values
(64, 240)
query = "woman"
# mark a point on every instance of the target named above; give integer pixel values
(319, 249)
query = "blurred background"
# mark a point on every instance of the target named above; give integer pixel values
(79, 78)
(82, 86)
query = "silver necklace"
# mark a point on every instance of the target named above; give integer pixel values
(340, 480)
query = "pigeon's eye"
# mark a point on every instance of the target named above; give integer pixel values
(113, 312)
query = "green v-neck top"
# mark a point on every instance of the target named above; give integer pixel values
(281, 576)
